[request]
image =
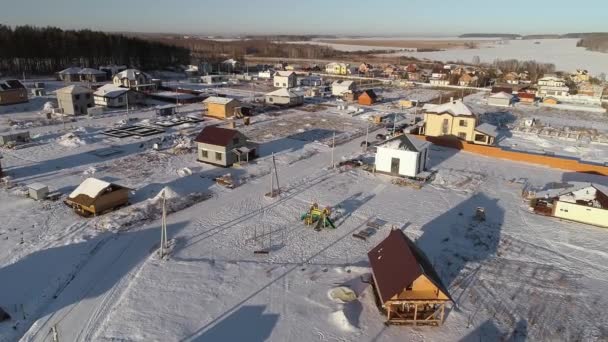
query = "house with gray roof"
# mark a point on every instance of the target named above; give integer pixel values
(403, 155)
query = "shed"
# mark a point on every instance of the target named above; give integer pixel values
(501, 99)
(403, 155)
(94, 197)
(485, 134)
(284, 96)
(221, 107)
(367, 98)
(407, 285)
(14, 138)
(38, 191)
(166, 110)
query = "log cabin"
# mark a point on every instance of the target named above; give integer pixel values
(408, 288)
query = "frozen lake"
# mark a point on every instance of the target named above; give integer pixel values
(561, 52)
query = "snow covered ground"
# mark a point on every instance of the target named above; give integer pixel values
(517, 276)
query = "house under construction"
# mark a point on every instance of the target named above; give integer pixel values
(94, 197)
(408, 288)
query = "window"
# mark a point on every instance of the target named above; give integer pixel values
(235, 140)
(462, 135)
(218, 156)
(444, 126)
(284, 84)
(270, 99)
(204, 154)
(480, 138)
(463, 123)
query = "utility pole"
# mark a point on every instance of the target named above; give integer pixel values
(163, 229)
(333, 146)
(276, 174)
(366, 135)
(127, 101)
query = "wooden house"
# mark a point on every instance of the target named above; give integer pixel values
(221, 107)
(94, 197)
(224, 146)
(367, 98)
(408, 288)
(12, 92)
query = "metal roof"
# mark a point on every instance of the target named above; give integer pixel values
(218, 136)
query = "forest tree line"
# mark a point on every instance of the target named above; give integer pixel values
(594, 42)
(42, 51)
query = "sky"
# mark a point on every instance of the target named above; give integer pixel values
(342, 17)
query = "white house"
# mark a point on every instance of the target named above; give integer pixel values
(285, 79)
(110, 95)
(284, 96)
(552, 86)
(403, 155)
(339, 87)
(132, 78)
(439, 82)
(266, 74)
(501, 99)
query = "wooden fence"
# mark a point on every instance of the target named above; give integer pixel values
(563, 163)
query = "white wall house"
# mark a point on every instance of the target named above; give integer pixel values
(403, 155)
(285, 79)
(439, 82)
(552, 86)
(266, 74)
(339, 87)
(501, 99)
(284, 96)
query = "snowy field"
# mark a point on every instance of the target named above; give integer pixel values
(517, 276)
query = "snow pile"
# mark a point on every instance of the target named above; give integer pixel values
(184, 172)
(90, 187)
(339, 319)
(149, 210)
(89, 171)
(460, 180)
(74, 138)
(49, 106)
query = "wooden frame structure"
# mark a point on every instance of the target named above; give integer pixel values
(415, 312)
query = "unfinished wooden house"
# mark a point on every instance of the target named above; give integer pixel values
(580, 202)
(408, 288)
(94, 197)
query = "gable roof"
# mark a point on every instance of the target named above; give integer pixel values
(501, 95)
(218, 100)
(90, 189)
(487, 129)
(218, 136)
(285, 73)
(370, 93)
(405, 142)
(70, 71)
(570, 187)
(283, 92)
(131, 74)
(73, 89)
(454, 108)
(11, 84)
(91, 71)
(396, 262)
(110, 91)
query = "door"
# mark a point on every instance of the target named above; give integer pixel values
(395, 166)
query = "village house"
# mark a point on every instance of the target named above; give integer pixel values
(403, 155)
(221, 107)
(266, 74)
(92, 75)
(112, 70)
(501, 99)
(285, 79)
(407, 286)
(69, 75)
(284, 97)
(94, 197)
(580, 202)
(467, 80)
(112, 96)
(311, 81)
(337, 68)
(580, 76)
(526, 98)
(134, 79)
(75, 100)
(224, 146)
(364, 68)
(439, 82)
(511, 78)
(367, 97)
(411, 68)
(340, 87)
(12, 92)
(552, 86)
(454, 118)
(213, 79)
(416, 76)
(230, 64)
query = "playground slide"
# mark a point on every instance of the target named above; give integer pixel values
(328, 222)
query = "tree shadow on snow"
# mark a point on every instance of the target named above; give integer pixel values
(57, 277)
(488, 331)
(585, 177)
(247, 323)
(457, 238)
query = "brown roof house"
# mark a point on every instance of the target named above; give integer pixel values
(224, 146)
(367, 98)
(94, 197)
(12, 92)
(408, 287)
